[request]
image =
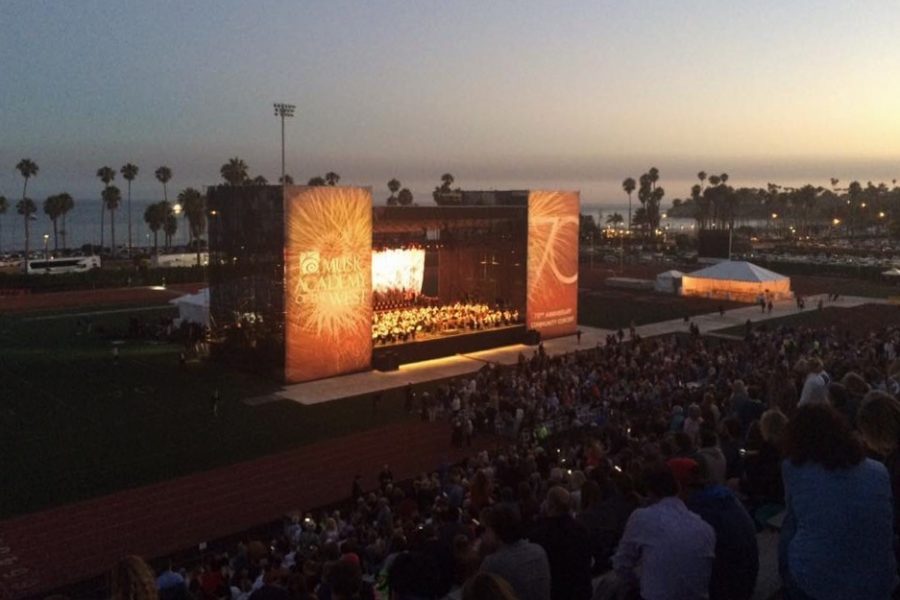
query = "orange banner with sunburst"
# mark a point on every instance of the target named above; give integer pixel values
(328, 281)
(553, 263)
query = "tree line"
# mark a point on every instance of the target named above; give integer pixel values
(714, 204)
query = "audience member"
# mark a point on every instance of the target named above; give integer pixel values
(837, 536)
(666, 549)
(736, 562)
(521, 563)
(568, 550)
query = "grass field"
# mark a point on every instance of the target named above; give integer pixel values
(613, 308)
(860, 319)
(74, 425)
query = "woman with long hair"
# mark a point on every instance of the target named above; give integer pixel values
(837, 537)
(878, 420)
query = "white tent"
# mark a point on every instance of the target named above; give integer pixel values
(894, 272)
(668, 281)
(193, 308)
(736, 280)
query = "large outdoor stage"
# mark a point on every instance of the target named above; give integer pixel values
(308, 283)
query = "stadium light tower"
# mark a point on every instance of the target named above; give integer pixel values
(283, 111)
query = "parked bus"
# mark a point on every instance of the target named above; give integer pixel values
(55, 266)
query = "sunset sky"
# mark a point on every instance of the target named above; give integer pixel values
(573, 95)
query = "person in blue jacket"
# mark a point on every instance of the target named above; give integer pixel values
(836, 541)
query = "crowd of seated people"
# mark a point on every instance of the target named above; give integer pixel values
(673, 454)
(394, 298)
(418, 322)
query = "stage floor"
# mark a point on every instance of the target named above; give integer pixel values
(369, 382)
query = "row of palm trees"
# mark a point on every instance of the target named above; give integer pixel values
(159, 216)
(235, 172)
(162, 216)
(855, 206)
(650, 196)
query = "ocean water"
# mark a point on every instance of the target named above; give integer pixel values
(83, 226)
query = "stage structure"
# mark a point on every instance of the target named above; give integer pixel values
(316, 282)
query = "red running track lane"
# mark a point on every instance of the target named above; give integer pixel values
(142, 296)
(61, 546)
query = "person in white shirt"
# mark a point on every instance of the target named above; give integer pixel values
(666, 550)
(815, 388)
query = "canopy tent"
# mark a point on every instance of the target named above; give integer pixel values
(193, 308)
(736, 280)
(668, 281)
(893, 272)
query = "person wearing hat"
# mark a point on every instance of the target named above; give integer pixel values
(736, 564)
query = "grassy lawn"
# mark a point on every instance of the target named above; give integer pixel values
(811, 284)
(614, 308)
(860, 319)
(75, 425)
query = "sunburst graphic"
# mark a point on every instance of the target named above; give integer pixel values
(328, 277)
(552, 255)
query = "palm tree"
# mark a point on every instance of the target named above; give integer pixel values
(66, 204)
(653, 174)
(316, 181)
(405, 197)
(163, 175)
(629, 186)
(615, 220)
(170, 224)
(286, 180)
(4, 206)
(702, 177)
(714, 180)
(331, 178)
(155, 217)
(112, 197)
(194, 206)
(53, 210)
(26, 208)
(260, 180)
(28, 168)
(446, 181)
(393, 186)
(106, 175)
(723, 178)
(129, 172)
(234, 172)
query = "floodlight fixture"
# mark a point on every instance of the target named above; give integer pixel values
(284, 111)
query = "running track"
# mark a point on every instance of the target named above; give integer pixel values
(45, 550)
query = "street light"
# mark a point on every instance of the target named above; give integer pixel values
(835, 221)
(283, 111)
(46, 246)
